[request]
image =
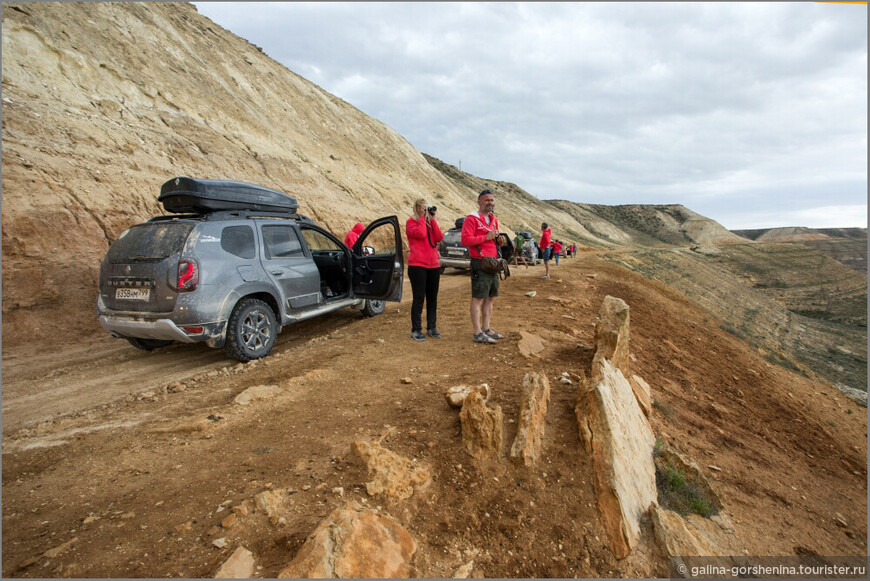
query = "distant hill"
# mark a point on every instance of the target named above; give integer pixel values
(845, 245)
(800, 234)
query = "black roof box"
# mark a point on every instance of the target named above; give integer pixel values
(184, 195)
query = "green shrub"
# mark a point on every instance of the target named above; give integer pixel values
(677, 494)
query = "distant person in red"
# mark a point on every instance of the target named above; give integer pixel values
(557, 249)
(545, 248)
(354, 233)
(479, 233)
(424, 268)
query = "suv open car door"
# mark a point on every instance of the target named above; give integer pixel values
(379, 261)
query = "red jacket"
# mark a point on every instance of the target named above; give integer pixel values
(421, 238)
(474, 231)
(557, 247)
(354, 233)
(545, 239)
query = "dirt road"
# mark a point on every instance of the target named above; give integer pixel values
(120, 463)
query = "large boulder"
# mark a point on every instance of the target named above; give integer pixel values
(529, 440)
(482, 428)
(611, 336)
(394, 475)
(353, 542)
(621, 442)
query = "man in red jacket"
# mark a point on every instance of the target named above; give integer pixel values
(479, 233)
(545, 248)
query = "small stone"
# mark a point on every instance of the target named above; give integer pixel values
(219, 543)
(406, 380)
(531, 293)
(241, 510)
(52, 553)
(88, 520)
(230, 521)
(565, 381)
(715, 468)
(240, 565)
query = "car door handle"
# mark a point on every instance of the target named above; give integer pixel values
(277, 272)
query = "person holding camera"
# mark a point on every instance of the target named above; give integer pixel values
(479, 235)
(424, 268)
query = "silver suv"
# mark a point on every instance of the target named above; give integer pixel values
(234, 265)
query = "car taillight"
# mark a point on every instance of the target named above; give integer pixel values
(192, 330)
(188, 275)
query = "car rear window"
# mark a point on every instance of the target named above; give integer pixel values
(238, 240)
(149, 242)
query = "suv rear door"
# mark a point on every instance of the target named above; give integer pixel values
(379, 274)
(289, 266)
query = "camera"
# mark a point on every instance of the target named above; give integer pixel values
(431, 210)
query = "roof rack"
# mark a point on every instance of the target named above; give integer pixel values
(248, 214)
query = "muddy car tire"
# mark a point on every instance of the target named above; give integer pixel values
(148, 344)
(251, 330)
(373, 307)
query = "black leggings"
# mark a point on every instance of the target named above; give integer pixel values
(424, 285)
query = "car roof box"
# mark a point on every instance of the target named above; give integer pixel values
(183, 195)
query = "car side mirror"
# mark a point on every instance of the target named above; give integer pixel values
(368, 250)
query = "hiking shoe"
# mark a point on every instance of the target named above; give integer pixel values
(418, 336)
(483, 338)
(434, 333)
(493, 334)
(546, 276)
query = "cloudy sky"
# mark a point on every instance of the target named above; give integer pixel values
(752, 114)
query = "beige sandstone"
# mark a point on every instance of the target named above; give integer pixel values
(611, 336)
(393, 474)
(353, 542)
(482, 428)
(529, 440)
(621, 441)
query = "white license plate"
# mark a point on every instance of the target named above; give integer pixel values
(456, 251)
(133, 294)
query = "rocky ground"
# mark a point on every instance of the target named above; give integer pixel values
(120, 463)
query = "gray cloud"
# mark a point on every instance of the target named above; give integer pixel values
(736, 110)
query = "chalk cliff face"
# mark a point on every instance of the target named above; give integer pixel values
(103, 102)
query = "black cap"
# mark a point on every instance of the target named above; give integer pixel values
(483, 193)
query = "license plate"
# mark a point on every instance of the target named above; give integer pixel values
(456, 251)
(133, 294)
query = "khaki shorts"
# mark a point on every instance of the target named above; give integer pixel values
(483, 284)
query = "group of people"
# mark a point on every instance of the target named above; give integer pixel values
(549, 249)
(552, 248)
(480, 234)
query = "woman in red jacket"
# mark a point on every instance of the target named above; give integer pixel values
(424, 268)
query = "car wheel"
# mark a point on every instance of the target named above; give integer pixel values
(373, 307)
(148, 344)
(251, 330)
